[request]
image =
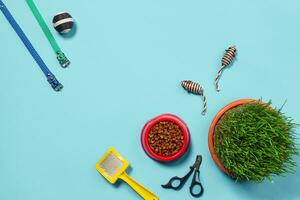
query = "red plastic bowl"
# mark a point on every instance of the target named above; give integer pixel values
(170, 118)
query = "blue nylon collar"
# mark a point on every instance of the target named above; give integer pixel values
(50, 77)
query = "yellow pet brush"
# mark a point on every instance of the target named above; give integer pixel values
(112, 166)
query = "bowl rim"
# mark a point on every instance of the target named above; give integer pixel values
(165, 117)
(212, 128)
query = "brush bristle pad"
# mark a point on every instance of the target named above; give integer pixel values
(111, 164)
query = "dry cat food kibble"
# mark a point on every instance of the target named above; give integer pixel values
(165, 138)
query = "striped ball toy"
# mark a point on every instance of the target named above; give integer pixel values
(63, 22)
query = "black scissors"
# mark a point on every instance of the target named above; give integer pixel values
(176, 182)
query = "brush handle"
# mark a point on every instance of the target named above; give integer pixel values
(141, 190)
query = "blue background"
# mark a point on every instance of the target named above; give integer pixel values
(128, 58)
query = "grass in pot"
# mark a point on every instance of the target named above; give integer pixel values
(250, 140)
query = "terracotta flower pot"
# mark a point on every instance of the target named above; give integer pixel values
(211, 132)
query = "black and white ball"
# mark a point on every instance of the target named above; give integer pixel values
(63, 22)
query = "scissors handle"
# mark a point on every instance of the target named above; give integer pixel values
(195, 183)
(172, 182)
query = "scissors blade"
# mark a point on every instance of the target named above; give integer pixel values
(197, 162)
